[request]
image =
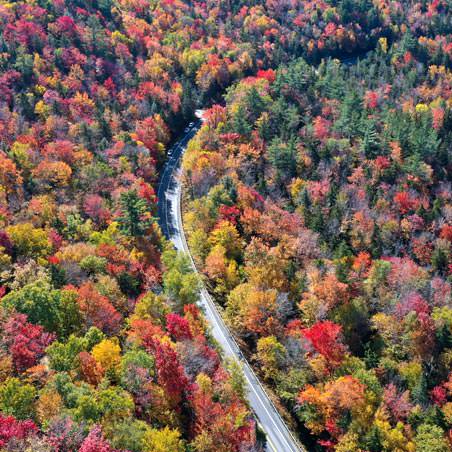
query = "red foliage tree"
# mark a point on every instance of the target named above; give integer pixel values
(27, 33)
(178, 327)
(98, 309)
(66, 24)
(438, 395)
(422, 249)
(26, 341)
(60, 150)
(382, 162)
(55, 239)
(405, 202)
(146, 192)
(95, 442)
(371, 99)
(362, 262)
(5, 242)
(398, 403)
(170, 373)
(144, 331)
(268, 74)
(94, 207)
(229, 213)
(215, 115)
(321, 127)
(424, 336)
(147, 134)
(437, 118)
(219, 422)
(11, 428)
(412, 302)
(446, 232)
(324, 337)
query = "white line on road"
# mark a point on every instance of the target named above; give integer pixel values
(285, 438)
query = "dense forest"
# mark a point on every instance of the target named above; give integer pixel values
(317, 205)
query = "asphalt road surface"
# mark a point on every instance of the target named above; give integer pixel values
(279, 438)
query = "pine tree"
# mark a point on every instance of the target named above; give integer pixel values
(255, 105)
(419, 392)
(369, 144)
(240, 122)
(439, 260)
(134, 219)
(350, 118)
(377, 247)
(283, 157)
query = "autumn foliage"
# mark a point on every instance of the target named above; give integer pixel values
(319, 210)
(317, 197)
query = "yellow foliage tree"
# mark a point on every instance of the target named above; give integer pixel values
(151, 307)
(393, 439)
(53, 173)
(222, 270)
(29, 241)
(165, 440)
(107, 353)
(199, 245)
(226, 235)
(271, 355)
(48, 405)
(348, 443)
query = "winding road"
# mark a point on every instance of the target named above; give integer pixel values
(279, 438)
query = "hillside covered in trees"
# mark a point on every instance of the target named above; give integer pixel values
(317, 205)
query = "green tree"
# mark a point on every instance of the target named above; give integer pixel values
(430, 438)
(440, 259)
(152, 306)
(283, 156)
(285, 118)
(94, 336)
(134, 219)
(70, 320)
(93, 264)
(38, 302)
(130, 362)
(17, 398)
(180, 283)
(63, 356)
(115, 404)
(128, 435)
(254, 104)
(350, 117)
(87, 407)
(240, 122)
(369, 145)
(56, 310)
(237, 378)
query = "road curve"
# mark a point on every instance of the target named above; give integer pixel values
(279, 438)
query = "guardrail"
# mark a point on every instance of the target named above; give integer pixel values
(209, 299)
